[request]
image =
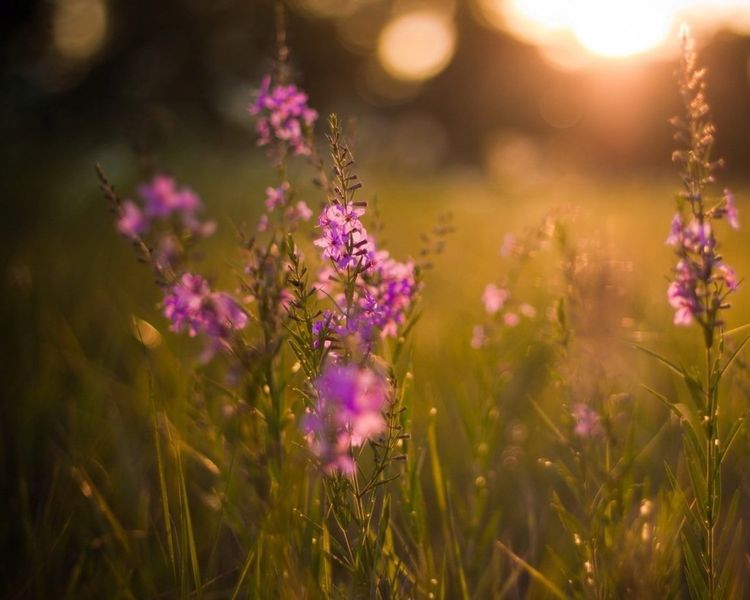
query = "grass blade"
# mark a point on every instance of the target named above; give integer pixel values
(533, 573)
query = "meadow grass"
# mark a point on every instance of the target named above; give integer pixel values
(127, 475)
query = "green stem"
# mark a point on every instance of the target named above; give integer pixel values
(712, 477)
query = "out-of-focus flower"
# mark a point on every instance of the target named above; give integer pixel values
(132, 222)
(675, 233)
(588, 422)
(494, 298)
(682, 294)
(730, 205)
(276, 196)
(478, 337)
(191, 306)
(349, 411)
(702, 280)
(729, 276)
(509, 245)
(162, 200)
(511, 319)
(301, 211)
(283, 116)
(322, 327)
(263, 223)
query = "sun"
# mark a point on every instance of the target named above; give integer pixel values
(620, 29)
(606, 28)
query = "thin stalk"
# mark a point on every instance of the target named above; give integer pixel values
(711, 509)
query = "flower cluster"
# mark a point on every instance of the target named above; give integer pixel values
(191, 306)
(343, 238)
(348, 412)
(162, 200)
(497, 304)
(383, 295)
(283, 116)
(391, 287)
(702, 280)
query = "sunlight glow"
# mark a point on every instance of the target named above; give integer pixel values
(609, 28)
(416, 45)
(621, 29)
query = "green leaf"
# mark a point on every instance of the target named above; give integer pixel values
(665, 361)
(569, 521)
(533, 573)
(697, 392)
(677, 489)
(698, 483)
(731, 436)
(729, 522)
(733, 356)
(694, 573)
(729, 567)
(548, 422)
(736, 330)
(666, 401)
(693, 429)
(243, 574)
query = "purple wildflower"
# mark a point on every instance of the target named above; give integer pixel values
(343, 237)
(692, 293)
(283, 116)
(191, 306)
(702, 280)
(161, 199)
(730, 206)
(299, 212)
(698, 237)
(675, 233)
(682, 294)
(276, 196)
(349, 411)
(728, 275)
(588, 422)
(131, 223)
(322, 328)
(393, 286)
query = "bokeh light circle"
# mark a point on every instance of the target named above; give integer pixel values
(79, 28)
(416, 45)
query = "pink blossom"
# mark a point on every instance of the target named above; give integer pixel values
(730, 206)
(511, 319)
(276, 196)
(131, 223)
(494, 298)
(349, 412)
(283, 116)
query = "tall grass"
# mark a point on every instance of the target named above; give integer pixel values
(327, 420)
